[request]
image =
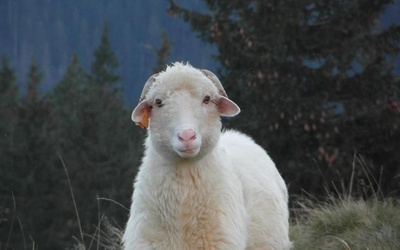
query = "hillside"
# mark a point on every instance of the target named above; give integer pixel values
(52, 31)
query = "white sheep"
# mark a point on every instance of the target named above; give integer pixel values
(198, 187)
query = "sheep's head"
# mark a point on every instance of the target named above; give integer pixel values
(182, 106)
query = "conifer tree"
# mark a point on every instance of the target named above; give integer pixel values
(69, 100)
(34, 110)
(8, 110)
(8, 86)
(31, 167)
(10, 141)
(313, 80)
(94, 135)
(105, 65)
(162, 53)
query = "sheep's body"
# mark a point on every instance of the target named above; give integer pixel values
(230, 197)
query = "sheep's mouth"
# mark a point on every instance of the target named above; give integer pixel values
(188, 153)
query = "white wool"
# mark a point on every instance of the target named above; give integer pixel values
(229, 195)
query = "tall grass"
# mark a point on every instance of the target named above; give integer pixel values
(106, 235)
(348, 219)
(348, 224)
(14, 219)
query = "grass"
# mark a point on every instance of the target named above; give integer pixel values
(342, 221)
(106, 236)
(347, 224)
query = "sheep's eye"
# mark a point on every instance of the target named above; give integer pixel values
(206, 99)
(159, 103)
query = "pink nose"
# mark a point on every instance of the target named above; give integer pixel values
(187, 135)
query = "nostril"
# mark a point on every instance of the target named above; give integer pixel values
(187, 135)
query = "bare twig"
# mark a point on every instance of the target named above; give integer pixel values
(22, 231)
(368, 174)
(33, 242)
(344, 243)
(111, 200)
(12, 221)
(97, 231)
(99, 225)
(352, 175)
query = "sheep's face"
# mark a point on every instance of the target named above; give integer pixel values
(184, 109)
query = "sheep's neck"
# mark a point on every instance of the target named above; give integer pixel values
(188, 199)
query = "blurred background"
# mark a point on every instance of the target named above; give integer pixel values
(317, 81)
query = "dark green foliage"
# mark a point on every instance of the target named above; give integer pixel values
(84, 122)
(314, 80)
(106, 64)
(24, 169)
(10, 143)
(101, 146)
(8, 108)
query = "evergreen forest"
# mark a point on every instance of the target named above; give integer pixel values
(77, 136)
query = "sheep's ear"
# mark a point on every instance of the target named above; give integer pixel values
(226, 107)
(141, 114)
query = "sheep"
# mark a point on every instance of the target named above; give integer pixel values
(199, 187)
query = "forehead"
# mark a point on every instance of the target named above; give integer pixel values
(182, 78)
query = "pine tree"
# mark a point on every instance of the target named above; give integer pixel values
(70, 98)
(10, 143)
(162, 53)
(31, 167)
(34, 110)
(96, 139)
(8, 109)
(105, 65)
(8, 87)
(313, 80)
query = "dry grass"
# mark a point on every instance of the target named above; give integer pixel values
(344, 221)
(347, 224)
